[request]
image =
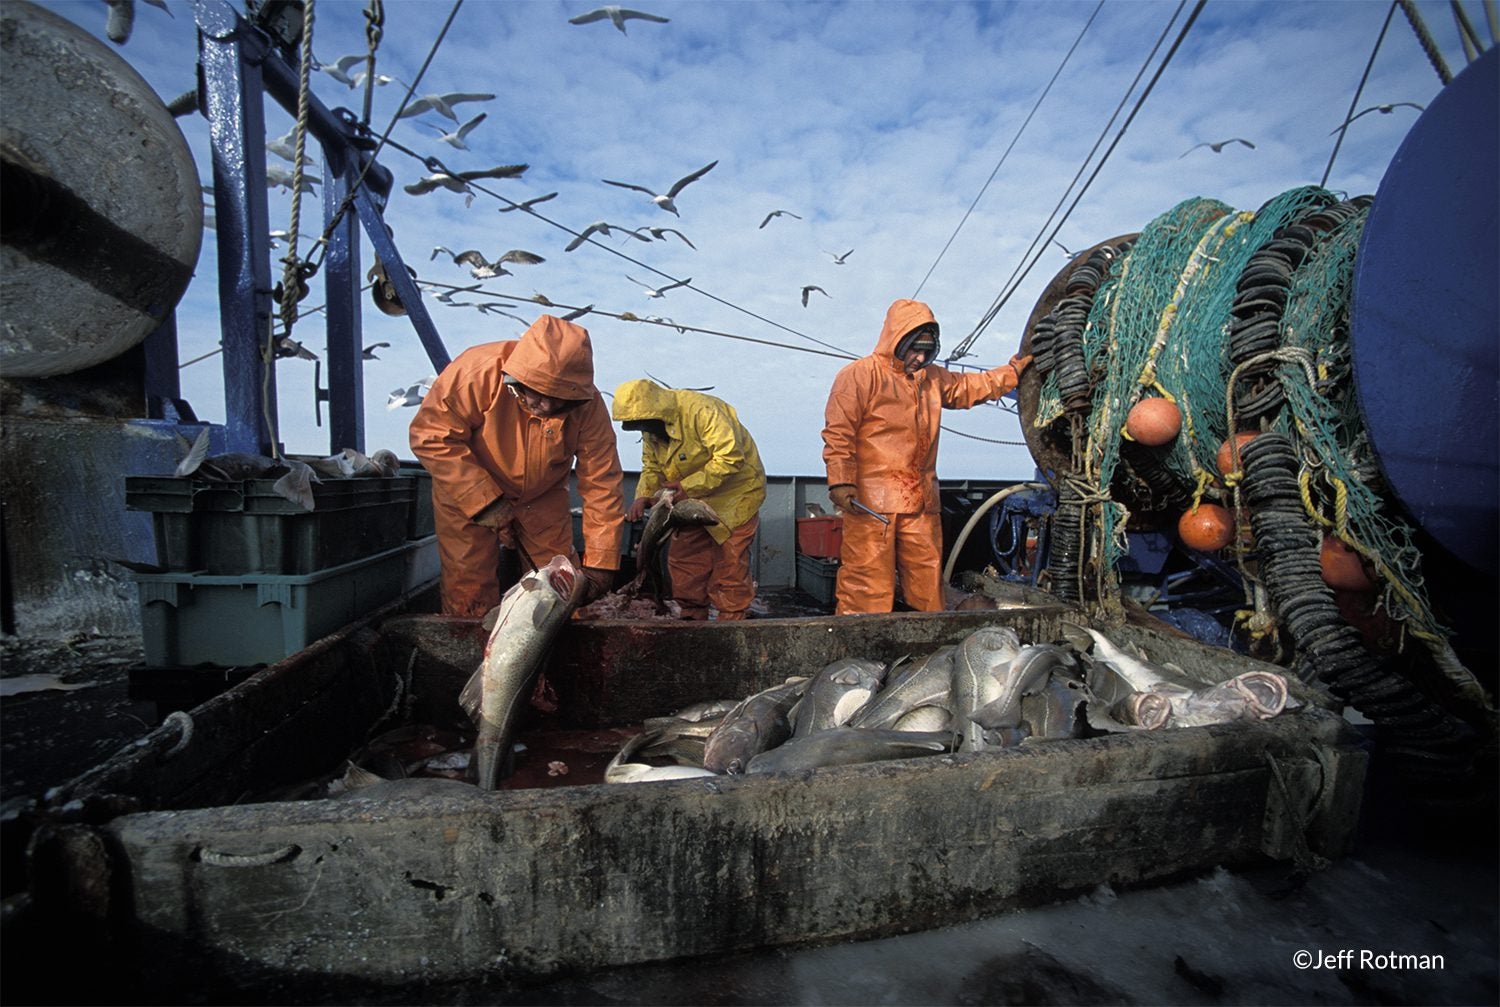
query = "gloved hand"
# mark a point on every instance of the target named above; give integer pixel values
(497, 515)
(638, 509)
(596, 583)
(1020, 363)
(842, 496)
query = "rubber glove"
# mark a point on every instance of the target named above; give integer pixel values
(638, 509)
(1020, 363)
(842, 496)
(597, 583)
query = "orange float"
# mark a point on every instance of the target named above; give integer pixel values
(1232, 447)
(1343, 568)
(1207, 529)
(1153, 422)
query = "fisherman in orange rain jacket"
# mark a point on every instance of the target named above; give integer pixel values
(499, 431)
(880, 441)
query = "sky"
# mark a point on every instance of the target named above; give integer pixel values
(893, 130)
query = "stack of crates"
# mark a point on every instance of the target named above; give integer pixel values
(250, 576)
(818, 542)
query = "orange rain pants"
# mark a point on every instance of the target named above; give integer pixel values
(706, 572)
(873, 553)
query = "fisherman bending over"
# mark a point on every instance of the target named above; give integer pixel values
(880, 446)
(499, 431)
(695, 444)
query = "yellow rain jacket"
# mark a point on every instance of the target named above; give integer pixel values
(707, 449)
(881, 424)
(479, 444)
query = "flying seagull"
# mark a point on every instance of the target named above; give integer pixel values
(279, 176)
(600, 227)
(340, 69)
(527, 204)
(368, 352)
(442, 104)
(459, 182)
(410, 396)
(659, 291)
(809, 289)
(1215, 147)
(284, 146)
(838, 260)
(577, 313)
(456, 137)
(1382, 109)
(619, 15)
(777, 213)
(660, 234)
(665, 202)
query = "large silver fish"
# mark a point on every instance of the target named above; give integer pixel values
(1052, 712)
(925, 718)
(979, 658)
(1142, 675)
(925, 683)
(1025, 675)
(847, 746)
(528, 619)
(1254, 695)
(759, 722)
(836, 693)
(622, 770)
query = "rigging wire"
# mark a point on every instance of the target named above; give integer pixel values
(1354, 102)
(985, 187)
(1424, 38)
(1140, 103)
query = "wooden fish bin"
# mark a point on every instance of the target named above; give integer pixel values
(156, 851)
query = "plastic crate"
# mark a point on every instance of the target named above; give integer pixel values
(192, 618)
(248, 528)
(818, 577)
(420, 521)
(820, 536)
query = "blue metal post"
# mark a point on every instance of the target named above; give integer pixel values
(341, 279)
(232, 84)
(406, 287)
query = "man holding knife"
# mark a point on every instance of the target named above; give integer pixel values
(880, 440)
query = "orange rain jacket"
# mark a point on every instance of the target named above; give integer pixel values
(707, 449)
(881, 432)
(479, 444)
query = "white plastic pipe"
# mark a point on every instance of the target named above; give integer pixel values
(980, 512)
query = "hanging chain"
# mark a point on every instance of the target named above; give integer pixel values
(374, 32)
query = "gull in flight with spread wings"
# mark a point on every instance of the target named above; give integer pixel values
(618, 15)
(665, 202)
(1382, 109)
(410, 396)
(809, 289)
(279, 176)
(777, 213)
(527, 204)
(659, 291)
(600, 227)
(1215, 147)
(482, 269)
(456, 138)
(442, 104)
(660, 234)
(838, 260)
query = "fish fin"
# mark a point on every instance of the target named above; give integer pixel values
(472, 694)
(1078, 637)
(195, 455)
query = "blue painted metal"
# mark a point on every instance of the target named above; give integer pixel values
(1425, 319)
(341, 278)
(406, 287)
(230, 53)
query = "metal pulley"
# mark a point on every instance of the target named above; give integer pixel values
(102, 218)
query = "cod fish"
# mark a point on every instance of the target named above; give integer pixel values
(926, 683)
(1140, 674)
(836, 693)
(294, 478)
(1052, 712)
(980, 658)
(667, 514)
(622, 770)
(847, 746)
(528, 619)
(1254, 695)
(759, 722)
(1025, 675)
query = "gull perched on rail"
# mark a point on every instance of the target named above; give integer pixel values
(665, 202)
(442, 104)
(659, 291)
(618, 15)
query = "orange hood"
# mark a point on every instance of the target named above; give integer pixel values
(555, 358)
(903, 316)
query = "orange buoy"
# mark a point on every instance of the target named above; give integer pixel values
(1153, 421)
(1232, 447)
(1343, 568)
(1207, 529)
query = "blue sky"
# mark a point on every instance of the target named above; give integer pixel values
(878, 122)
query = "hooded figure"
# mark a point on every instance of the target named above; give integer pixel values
(880, 441)
(696, 444)
(499, 431)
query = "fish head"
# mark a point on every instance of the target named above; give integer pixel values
(990, 648)
(562, 576)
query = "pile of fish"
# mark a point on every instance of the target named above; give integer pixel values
(988, 692)
(294, 477)
(669, 512)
